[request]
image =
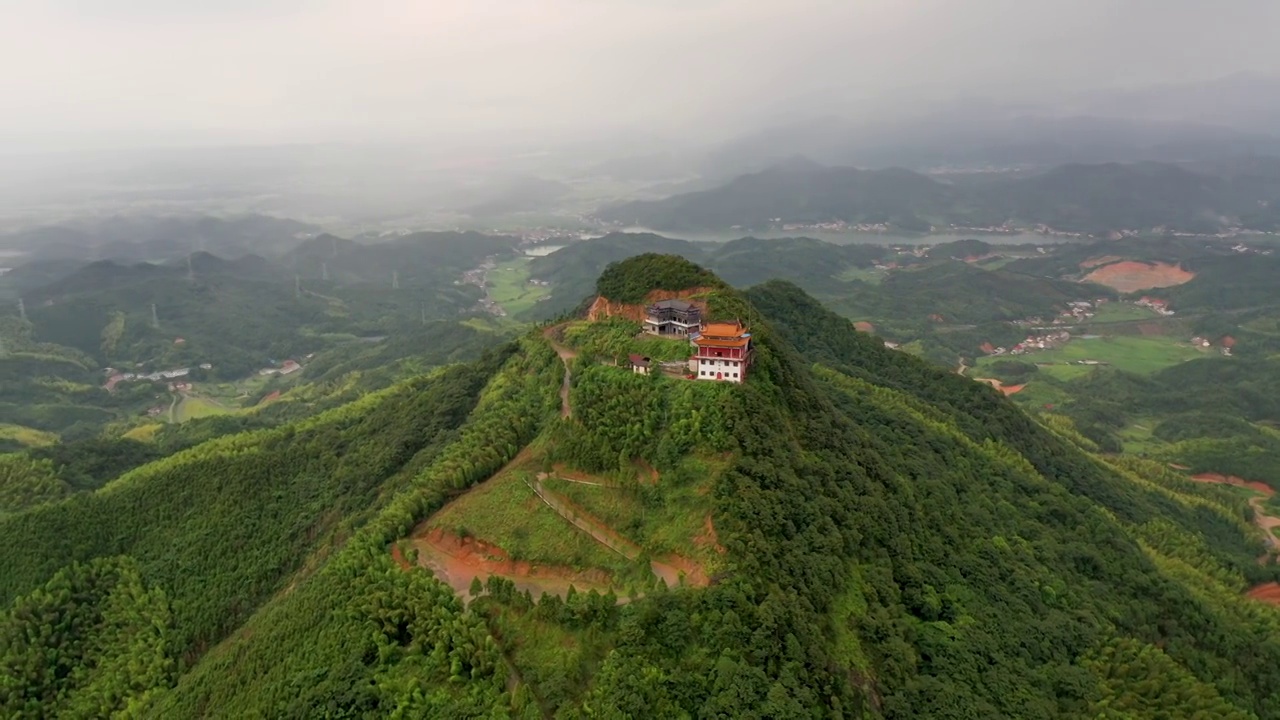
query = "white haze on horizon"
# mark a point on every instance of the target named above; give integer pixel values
(81, 74)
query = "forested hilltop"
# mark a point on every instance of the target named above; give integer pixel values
(851, 532)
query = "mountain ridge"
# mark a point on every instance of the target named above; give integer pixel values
(1087, 198)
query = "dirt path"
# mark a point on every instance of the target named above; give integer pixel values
(1266, 592)
(566, 354)
(673, 570)
(584, 521)
(1265, 522)
(173, 406)
(1006, 389)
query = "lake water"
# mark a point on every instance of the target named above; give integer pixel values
(850, 238)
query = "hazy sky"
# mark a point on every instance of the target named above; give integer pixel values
(103, 72)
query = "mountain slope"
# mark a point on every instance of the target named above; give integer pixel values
(879, 538)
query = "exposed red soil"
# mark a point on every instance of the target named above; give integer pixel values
(674, 569)
(273, 396)
(708, 537)
(1227, 342)
(1233, 480)
(604, 307)
(864, 326)
(1268, 593)
(399, 557)
(1132, 275)
(1095, 262)
(457, 561)
(987, 348)
(1006, 389)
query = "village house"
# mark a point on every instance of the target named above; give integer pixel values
(722, 352)
(673, 318)
(640, 364)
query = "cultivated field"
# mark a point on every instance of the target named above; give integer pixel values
(509, 286)
(1135, 354)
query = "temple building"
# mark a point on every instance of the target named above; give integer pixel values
(722, 352)
(672, 318)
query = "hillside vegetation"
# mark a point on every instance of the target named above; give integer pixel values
(857, 534)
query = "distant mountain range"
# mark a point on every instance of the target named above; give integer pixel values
(158, 238)
(1083, 198)
(1231, 116)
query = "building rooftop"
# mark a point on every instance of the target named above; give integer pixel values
(705, 341)
(724, 330)
(673, 305)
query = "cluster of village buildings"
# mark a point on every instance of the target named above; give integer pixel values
(1159, 306)
(722, 351)
(115, 378)
(1044, 341)
(287, 367)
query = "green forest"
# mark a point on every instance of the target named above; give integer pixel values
(891, 540)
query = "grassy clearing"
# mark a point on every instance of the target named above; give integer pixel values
(997, 262)
(867, 275)
(1138, 440)
(143, 433)
(1122, 312)
(488, 324)
(1038, 394)
(192, 407)
(509, 286)
(505, 512)
(662, 518)
(30, 437)
(1141, 355)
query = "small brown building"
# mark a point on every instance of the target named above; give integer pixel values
(640, 364)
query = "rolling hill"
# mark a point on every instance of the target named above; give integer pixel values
(851, 532)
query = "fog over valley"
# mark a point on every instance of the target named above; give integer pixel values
(430, 114)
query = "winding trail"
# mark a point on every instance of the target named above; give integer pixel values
(566, 354)
(1266, 592)
(1267, 523)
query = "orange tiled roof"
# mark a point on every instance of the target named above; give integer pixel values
(723, 329)
(705, 341)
